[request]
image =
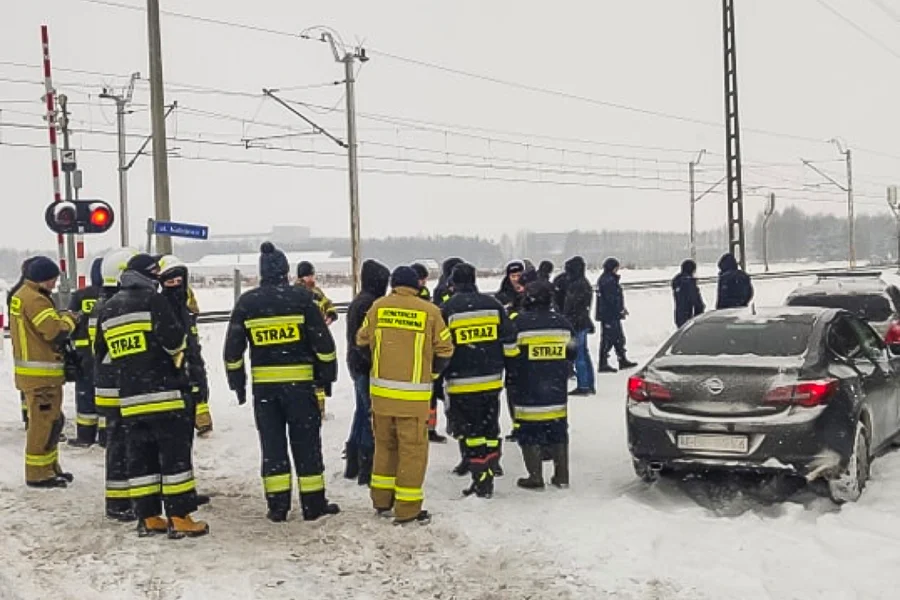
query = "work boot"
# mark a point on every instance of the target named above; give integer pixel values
(185, 526)
(532, 457)
(512, 436)
(101, 438)
(423, 518)
(384, 513)
(436, 438)
(68, 477)
(54, 482)
(151, 526)
(277, 515)
(351, 456)
(624, 363)
(204, 430)
(560, 453)
(80, 443)
(327, 508)
(123, 516)
(462, 469)
(364, 476)
(605, 367)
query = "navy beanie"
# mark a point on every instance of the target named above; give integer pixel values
(463, 274)
(305, 269)
(273, 264)
(40, 269)
(97, 272)
(421, 270)
(144, 264)
(405, 277)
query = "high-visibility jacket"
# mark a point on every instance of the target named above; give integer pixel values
(483, 336)
(410, 345)
(324, 304)
(38, 333)
(139, 333)
(106, 374)
(83, 302)
(289, 341)
(539, 375)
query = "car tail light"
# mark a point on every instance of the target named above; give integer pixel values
(804, 393)
(641, 390)
(893, 333)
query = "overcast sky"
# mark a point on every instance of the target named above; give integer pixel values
(448, 153)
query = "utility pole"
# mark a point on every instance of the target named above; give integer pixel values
(895, 208)
(691, 167)
(770, 210)
(122, 102)
(158, 121)
(71, 268)
(851, 217)
(736, 241)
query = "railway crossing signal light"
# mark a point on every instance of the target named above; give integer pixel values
(79, 216)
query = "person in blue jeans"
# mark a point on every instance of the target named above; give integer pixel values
(577, 311)
(360, 448)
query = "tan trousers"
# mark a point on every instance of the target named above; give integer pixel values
(45, 423)
(398, 469)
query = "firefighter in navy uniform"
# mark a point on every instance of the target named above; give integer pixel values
(173, 278)
(146, 344)
(111, 432)
(539, 376)
(82, 302)
(291, 353)
(39, 333)
(484, 338)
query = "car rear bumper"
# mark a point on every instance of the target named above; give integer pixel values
(796, 441)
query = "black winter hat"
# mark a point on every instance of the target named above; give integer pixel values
(545, 268)
(41, 268)
(447, 266)
(528, 276)
(144, 264)
(610, 264)
(728, 262)
(514, 266)
(305, 269)
(97, 272)
(539, 293)
(689, 267)
(404, 276)
(421, 270)
(463, 274)
(273, 264)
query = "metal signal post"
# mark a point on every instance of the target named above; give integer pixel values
(736, 241)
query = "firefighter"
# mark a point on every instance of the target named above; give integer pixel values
(291, 353)
(106, 397)
(86, 418)
(443, 291)
(9, 295)
(511, 290)
(482, 335)
(173, 278)
(38, 334)
(433, 435)
(146, 344)
(539, 377)
(422, 273)
(306, 277)
(409, 346)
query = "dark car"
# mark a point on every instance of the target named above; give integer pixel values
(862, 293)
(812, 392)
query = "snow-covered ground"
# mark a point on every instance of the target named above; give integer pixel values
(609, 536)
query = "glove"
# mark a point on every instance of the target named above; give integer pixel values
(241, 396)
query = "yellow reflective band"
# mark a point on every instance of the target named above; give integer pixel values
(511, 351)
(148, 409)
(311, 483)
(173, 489)
(273, 321)
(82, 343)
(47, 313)
(234, 366)
(194, 330)
(376, 355)
(327, 357)
(475, 442)
(276, 484)
(85, 420)
(474, 321)
(380, 482)
(445, 334)
(320, 394)
(101, 423)
(282, 374)
(144, 490)
(15, 306)
(202, 408)
(471, 388)
(402, 494)
(118, 494)
(418, 351)
(409, 395)
(107, 402)
(40, 372)
(546, 416)
(493, 443)
(42, 460)
(92, 334)
(137, 327)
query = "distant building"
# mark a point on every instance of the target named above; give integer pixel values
(280, 235)
(222, 266)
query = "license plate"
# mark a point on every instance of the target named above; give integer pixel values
(714, 443)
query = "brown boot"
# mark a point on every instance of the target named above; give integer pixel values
(151, 526)
(185, 526)
(535, 479)
(560, 454)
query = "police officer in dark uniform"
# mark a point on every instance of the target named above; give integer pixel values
(291, 353)
(82, 303)
(139, 332)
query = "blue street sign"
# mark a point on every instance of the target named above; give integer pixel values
(185, 230)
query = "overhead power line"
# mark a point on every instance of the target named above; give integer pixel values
(858, 28)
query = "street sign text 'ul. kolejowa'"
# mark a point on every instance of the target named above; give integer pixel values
(185, 230)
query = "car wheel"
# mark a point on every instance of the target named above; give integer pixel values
(644, 472)
(849, 485)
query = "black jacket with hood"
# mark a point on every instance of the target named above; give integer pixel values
(443, 291)
(688, 301)
(610, 296)
(374, 279)
(508, 295)
(735, 287)
(82, 303)
(578, 296)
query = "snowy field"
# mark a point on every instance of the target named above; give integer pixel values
(609, 536)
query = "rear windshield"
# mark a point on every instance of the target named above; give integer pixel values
(868, 307)
(735, 338)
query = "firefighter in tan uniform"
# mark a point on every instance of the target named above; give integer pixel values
(38, 334)
(409, 345)
(306, 277)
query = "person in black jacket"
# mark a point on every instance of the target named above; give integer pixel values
(360, 447)
(735, 287)
(611, 312)
(483, 336)
(82, 303)
(512, 292)
(12, 292)
(443, 291)
(538, 375)
(139, 333)
(291, 353)
(545, 270)
(433, 435)
(577, 310)
(688, 301)
(422, 273)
